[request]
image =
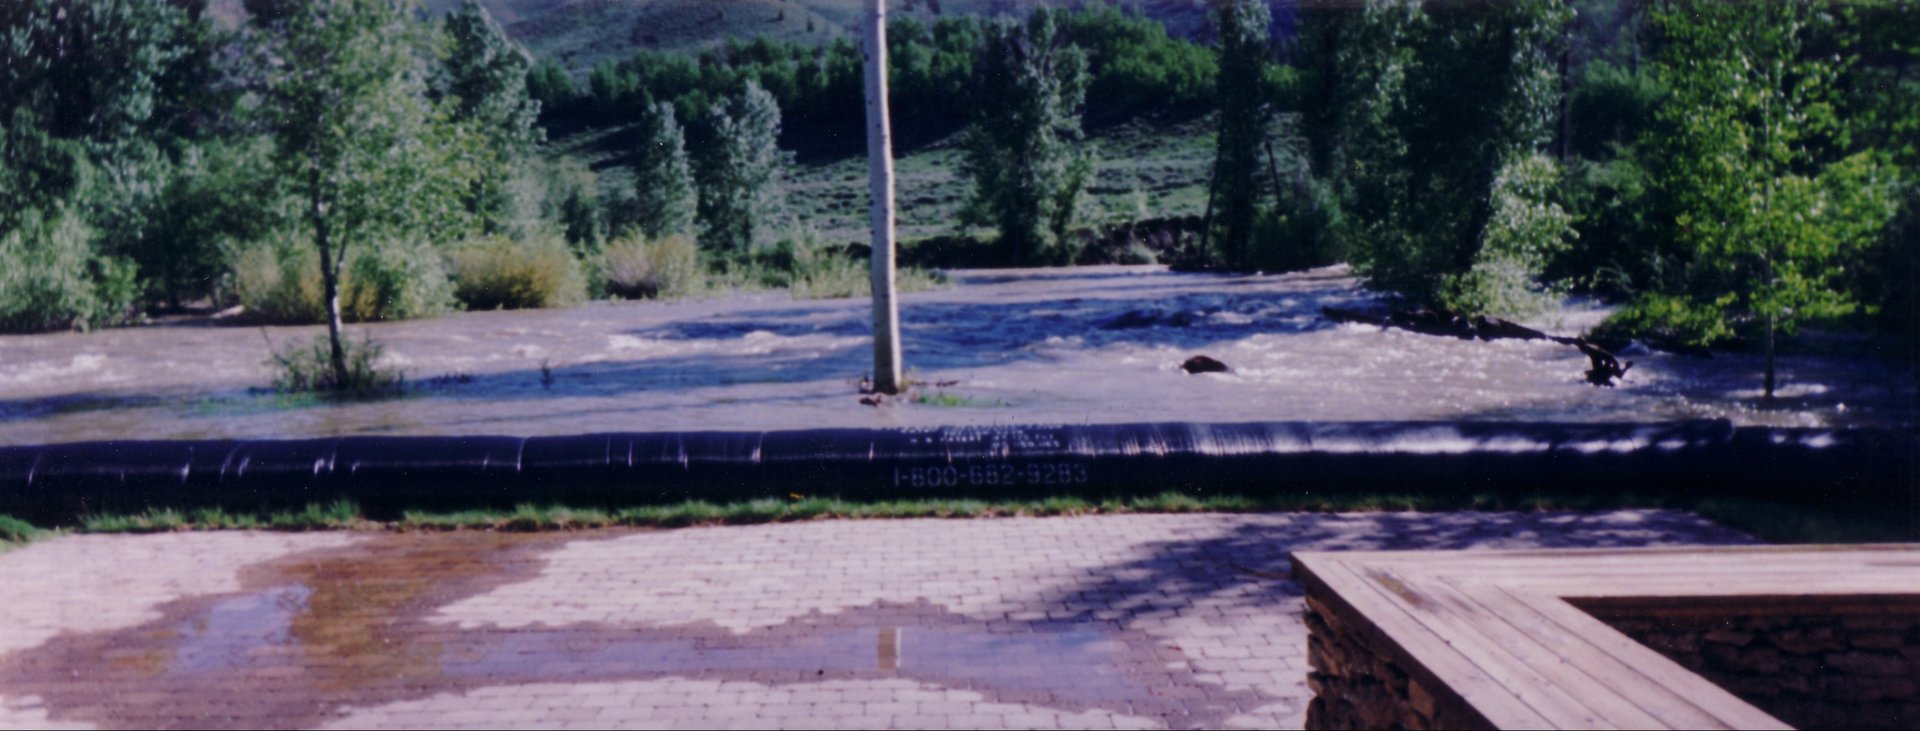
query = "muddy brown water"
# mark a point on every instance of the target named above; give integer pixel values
(313, 634)
(1033, 346)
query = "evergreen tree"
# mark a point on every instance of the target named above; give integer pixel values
(355, 136)
(1022, 148)
(1244, 115)
(741, 182)
(664, 198)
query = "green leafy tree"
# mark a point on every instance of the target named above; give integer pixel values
(1761, 222)
(88, 69)
(1354, 66)
(1422, 106)
(1244, 115)
(664, 200)
(741, 184)
(87, 121)
(485, 77)
(355, 137)
(1526, 229)
(1022, 150)
(549, 84)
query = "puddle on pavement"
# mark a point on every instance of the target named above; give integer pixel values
(319, 632)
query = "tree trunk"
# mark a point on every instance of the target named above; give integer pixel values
(1772, 322)
(1206, 219)
(330, 281)
(886, 310)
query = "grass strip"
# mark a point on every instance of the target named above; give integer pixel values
(1771, 521)
(15, 533)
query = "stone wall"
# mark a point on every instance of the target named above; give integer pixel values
(1358, 682)
(1842, 665)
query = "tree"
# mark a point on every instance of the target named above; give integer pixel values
(1022, 148)
(1762, 222)
(88, 69)
(1355, 63)
(95, 95)
(886, 313)
(663, 181)
(355, 137)
(740, 188)
(485, 77)
(1244, 115)
(1422, 105)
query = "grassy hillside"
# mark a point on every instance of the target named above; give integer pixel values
(1144, 171)
(583, 33)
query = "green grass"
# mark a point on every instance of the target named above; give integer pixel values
(1770, 521)
(339, 514)
(15, 533)
(945, 400)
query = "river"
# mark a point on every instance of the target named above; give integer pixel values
(1036, 346)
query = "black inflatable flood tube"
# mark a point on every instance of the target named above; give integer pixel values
(61, 482)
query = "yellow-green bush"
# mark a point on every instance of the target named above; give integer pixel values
(499, 273)
(51, 278)
(637, 268)
(278, 281)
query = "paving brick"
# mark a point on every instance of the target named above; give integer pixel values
(1092, 622)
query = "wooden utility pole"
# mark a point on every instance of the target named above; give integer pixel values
(886, 310)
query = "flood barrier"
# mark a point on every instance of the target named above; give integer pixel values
(62, 482)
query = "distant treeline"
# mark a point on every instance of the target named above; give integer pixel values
(1134, 69)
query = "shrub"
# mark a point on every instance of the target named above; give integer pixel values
(637, 268)
(50, 277)
(279, 282)
(1525, 230)
(310, 370)
(810, 269)
(398, 281)
(1301, 234)
(498, 273)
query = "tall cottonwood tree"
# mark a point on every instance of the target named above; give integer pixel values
(664, 198)
(1424, 104)
(485, 76)
(740, 189)
(355, 137)
(1244, 114)
(1022, 149)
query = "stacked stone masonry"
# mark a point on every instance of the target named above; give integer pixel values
(1845, 667)
(1358, 683)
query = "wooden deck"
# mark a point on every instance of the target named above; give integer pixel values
(1500, 630)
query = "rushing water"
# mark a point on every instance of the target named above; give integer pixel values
(1088, 344)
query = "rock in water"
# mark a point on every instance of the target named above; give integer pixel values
(1132, 319)
(1203, 364)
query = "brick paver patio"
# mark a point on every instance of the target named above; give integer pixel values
(1141, 621)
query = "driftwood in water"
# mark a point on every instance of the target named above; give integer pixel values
(1606, 368)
